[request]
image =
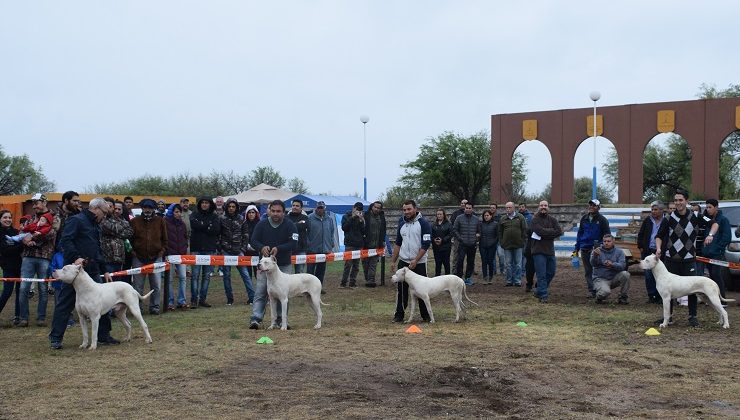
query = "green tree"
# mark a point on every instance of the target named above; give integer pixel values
(729, 159)
(451, 163)
(18, 175)
(581, 192)
(266, 175)
(297, 185)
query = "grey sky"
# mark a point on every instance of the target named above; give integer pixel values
(162, 87)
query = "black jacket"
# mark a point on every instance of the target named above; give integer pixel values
(234, 234)
(81, 239)
(300, 221)
(205, 228)
(354, 230)
(643, 237)
(443, 231)
(378, 240)
(10, 252)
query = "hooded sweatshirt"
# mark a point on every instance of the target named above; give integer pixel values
(205, 227)
(615, 255)
(234, 236)
(177, 233)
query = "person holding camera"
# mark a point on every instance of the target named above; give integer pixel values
(353, 225)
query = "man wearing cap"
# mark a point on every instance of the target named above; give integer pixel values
(321, 233)
(353, 225)
(161, 208)
(38, 248)
(186, 213)
(591, 229)
(149, 244)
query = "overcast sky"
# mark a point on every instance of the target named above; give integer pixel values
(101, 91)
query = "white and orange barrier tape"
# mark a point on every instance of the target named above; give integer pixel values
(734, 266)
(229, 260)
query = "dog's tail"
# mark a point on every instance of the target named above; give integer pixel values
(465, 293)
(321, 302)
(726, 300)
(146, 295)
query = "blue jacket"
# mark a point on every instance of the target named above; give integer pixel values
(591, 231)
(320, 234)
(284, 238)
(81, 239)
(722, 238)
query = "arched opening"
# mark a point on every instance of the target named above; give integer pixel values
(606, 161)
(534, 183)
(729, 167)
(666, 167)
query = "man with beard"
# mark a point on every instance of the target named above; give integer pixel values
(545, 229)
(374, 238)
(301, 223)
(206, 228)
(234, 239)
(149, 243)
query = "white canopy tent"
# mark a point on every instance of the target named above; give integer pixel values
(262, 194)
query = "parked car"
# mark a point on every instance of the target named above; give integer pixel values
(731, 210)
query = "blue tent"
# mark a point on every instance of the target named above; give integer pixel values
(338, 204)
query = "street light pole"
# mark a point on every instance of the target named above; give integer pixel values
(364, 119)
(595, 96)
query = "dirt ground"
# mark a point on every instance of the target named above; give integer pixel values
(573, 359)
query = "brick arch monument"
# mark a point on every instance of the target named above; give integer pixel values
(704, 123)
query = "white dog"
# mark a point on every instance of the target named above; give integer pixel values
(670, 286)
(94, 299)
(281, 286)
(425, 288)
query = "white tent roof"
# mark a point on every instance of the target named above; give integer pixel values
(262, 194)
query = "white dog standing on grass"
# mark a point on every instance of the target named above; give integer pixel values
(670, 286)
(426, 288)
(94, 299)
(282, 286)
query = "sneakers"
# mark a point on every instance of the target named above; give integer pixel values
(600, 301)
(254, 325)
(397, 320)
(693, 321)
(154, 311)
(110, 341)
(56, 345)
(623, 301)
(230, 303)
(41, 323)
(23, 323)
(469, 282)
(183, 307)
(205, 304)
(543, 300)
(170, 307)
(342, 286)
(370, 285)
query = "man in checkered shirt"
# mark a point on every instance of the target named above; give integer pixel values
(679, 231)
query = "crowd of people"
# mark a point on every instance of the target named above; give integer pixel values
(107, 237)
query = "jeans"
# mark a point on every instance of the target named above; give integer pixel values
(244, 273)
(717, 273)
(501, 255)
(466, 251)
(588, 270)
(351, 268)
(369, 266)
(260, 297)
(513, 258)
(200, 280)
(650, 287)
(33, 267)
(300, 268)
(544, 266)
(488, 261)
(402, 293)
(441, 259)
(179, 272)
(155, 283)
(66, 297)
(318, 270)
(8, 287)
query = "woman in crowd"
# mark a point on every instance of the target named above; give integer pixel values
(10, 261)
(253, 217)
(441, 242)
(177, 244)
(488, 245)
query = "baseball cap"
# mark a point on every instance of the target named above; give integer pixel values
(148, 202)
(38, 197)
(595, 202)
(320, 204)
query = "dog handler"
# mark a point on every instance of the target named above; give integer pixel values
(678, 230)
(413, 238)
(81, 244)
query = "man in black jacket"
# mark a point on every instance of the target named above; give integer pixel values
(646, 244)
(374, 238)
(205, 228)
(234, 240)
(301, 223)
(353, 225)
(81, 244)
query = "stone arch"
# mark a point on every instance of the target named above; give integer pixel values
(538, 169)
(730, 159)
(662, 140)
(704, 123)
(585, 146)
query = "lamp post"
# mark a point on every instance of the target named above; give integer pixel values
(364, 119)
(595, 96)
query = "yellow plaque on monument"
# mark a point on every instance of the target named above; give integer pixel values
(590, 125)
(737, 117)
(529, 129)
(666, 121)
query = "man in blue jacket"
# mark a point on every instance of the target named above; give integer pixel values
(277, 237)
(321, 239)
(716, 241)
(81, 244)
(591, 229)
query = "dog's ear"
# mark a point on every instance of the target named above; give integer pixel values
(272, 257)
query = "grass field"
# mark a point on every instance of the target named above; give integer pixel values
(573, 359)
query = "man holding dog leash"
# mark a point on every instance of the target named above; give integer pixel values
(81, 244)
(678, 230)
